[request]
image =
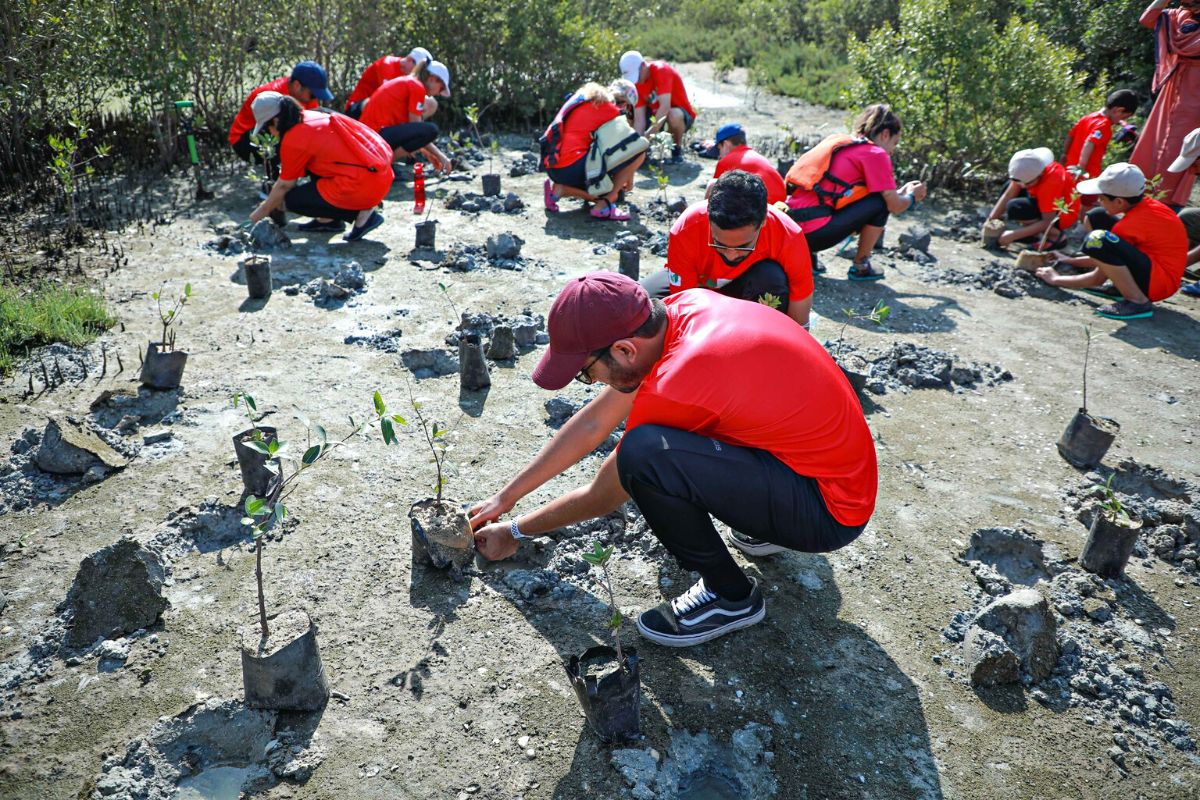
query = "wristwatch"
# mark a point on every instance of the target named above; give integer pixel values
(514, 531)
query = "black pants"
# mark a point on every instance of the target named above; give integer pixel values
(678, 479)
(247, 152)
(355, 109)
(762, 278)
(871, 210)
(306, 201)
(1108, 248)
(411, 136)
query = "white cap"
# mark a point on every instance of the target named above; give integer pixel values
(1188, 153)
(1026, 165)
(631, 65)
(265, 108)
(440, 70)
(419, 54)
(624, 90)
(1118, 180)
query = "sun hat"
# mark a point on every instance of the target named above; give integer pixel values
(265, 108)
(311, 76)
(1026, 165)
(1117, 180)
(419, 54)
(631, 65)
(591, 312)
(1188, 153)
(442, 71)
(623, 89)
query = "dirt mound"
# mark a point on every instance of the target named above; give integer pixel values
(905, 366)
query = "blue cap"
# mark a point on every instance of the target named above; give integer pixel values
(312, 77)
(727, 130)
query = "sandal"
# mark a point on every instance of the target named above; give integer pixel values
(863, 272)
(610, 213)
(548, 197)
(1192, 289)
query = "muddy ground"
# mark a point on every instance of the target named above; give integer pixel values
(853, 687)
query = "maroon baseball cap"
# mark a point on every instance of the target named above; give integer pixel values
(590, 313)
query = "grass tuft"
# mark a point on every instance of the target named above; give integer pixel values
(46, 314)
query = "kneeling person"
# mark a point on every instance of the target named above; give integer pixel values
(1136, 242)
(728, 413)
(396, 111)
(739, 246)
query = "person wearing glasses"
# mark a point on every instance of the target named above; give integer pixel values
(1037, 183)
(737, 245)
(728, 414)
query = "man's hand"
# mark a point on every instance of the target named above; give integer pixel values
(494, 542)
(917, 189)
(489, 510)
(1048, 275)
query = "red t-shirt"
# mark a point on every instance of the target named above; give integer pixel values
(740, 373)
(393, 102)
(1157, 231)
(341, 152)
(380, 70)
(244, 121)
(1095, 128)
(693, 263)
(866, 165)
(663, 79)
(743, 158)
(1054, 183)
(577, 129)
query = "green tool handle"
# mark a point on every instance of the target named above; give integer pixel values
(192, 149)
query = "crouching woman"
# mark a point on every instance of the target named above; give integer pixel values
(350, 166)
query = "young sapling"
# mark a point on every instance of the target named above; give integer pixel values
(662, 181)
(246, 402)
(1110, 504)
(877, 315)
(600, 557)
(169, 317)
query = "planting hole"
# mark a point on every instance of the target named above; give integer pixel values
(214, 783)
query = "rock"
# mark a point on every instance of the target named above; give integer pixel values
(69, 448)
(513, 203)
(1025, 622)
(117, 590)
(266, 235)
(350, 277)
(560, 410)
(677, 205)
(503, 344)
(113, 652)
(627, 241)
(430, 363)
(525, 330)
(990, 660)
(918, 237)
(504, 246)
(526, 164)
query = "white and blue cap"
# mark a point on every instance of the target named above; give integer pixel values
(443, 72)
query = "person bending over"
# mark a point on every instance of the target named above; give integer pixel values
(350, 166)
(728, 414)
(660, 93)
(1088, 140)
(845, 185)
(384, 69)
(734, 154)
(396, 111)
(735, 244)
(1037, 182)
(1136, 243)
(307, 85)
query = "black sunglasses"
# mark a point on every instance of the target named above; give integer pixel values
(583, 376)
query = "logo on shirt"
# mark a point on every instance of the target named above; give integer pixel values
(421, 105)
(674, 278)
(1097, 135)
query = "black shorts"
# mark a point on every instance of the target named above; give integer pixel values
(575, 174)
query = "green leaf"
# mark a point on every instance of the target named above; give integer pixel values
(320, 431)
(311, 454)
(250, 402)
(280, 512)
(399, 420)
(615, 621)
(247, 521)
(273, 447)
(380, 408)
(271, 467)
(187, 290)
(254, 506)
(389, 432)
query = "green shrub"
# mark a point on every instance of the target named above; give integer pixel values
(808, 71)
(969, 95)
(47, 314)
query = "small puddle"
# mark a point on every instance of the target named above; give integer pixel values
(219, 783)
(709, 787)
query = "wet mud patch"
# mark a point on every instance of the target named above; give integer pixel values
(905, 366)
(1001, 278)
(217, 745)
(47, 368)
(1001, 558)
(698, 767)
(203, 528)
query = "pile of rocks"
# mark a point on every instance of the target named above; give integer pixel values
(348, 281)
(999, 277)
(905, 366)
(472, 203)
(528, 329)
(525, 164)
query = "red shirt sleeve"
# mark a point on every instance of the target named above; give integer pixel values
(686, 248)
(877, 169)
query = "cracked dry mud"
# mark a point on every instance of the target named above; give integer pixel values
(848, 689)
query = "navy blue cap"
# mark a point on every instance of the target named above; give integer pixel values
(727, 130)
(312, 77)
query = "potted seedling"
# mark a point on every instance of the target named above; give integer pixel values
(257, 271)
(1033, 260)
(427, 228)
(162, 367)
(281, 664)
(858, 379)
(440, 527)
(491, 181)
(1087, 438)
(1111, 538)
(992, 229)
(605, 678)
(256, 449)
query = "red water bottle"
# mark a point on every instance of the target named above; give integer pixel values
(419, 188)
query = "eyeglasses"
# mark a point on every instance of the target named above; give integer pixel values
(745, 248)
(583, 376)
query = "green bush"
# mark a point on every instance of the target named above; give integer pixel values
(808, 71)
(969, 95)
(47, 314)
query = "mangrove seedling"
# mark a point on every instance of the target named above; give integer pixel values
(662, 181)
(66, 167)
(1061, 207)
(246, 402)
(435, 438)
(266, 144)
(1111, 505)
(169, 316)
(444, 288)
(472, 113)
(1087, 351)
(599, 557)
(877, 315)
(260, 513)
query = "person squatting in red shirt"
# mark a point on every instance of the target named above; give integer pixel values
(1137, 244)
(384, 69)
(728, 413)
(1037, 183)
(734, 153)
(307, 85)
(398, 111)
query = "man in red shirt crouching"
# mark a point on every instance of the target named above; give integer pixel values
(1137, 244)
(736, 154)
(727, 413)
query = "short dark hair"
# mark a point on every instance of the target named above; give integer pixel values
(648, 329)
(737, 140)
(289, 116)
(1133, 201)
(1126, 99)
(738, 199)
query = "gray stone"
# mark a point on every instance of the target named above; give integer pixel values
(504, 245)
(1026, 624)
(266, 235)
(677, 205)
(525, 330)
(513, 203)
(503, 345)
(990, 660)
(350, 277)
(918, 237)
(69, 448)
(117, 590)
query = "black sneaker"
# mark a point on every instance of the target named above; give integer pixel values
(698, 615)
(751, 546)
(317, 226)
(1125, 309)
(676, 155)
(1107, 291)
(356, 233)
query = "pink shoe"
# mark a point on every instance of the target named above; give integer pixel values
(611, 213)
(548, 197)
